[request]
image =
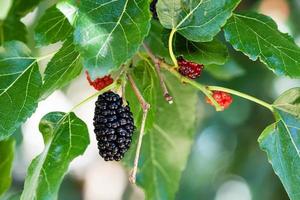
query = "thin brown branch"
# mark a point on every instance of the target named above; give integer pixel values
(145, 106)
(163, 86)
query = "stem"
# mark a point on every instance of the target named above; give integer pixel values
(132, 176)
(111, 86)
(163, 86)
(195, 84)
(145, 106)
(243, 95)
(173, 57)
(173, 71)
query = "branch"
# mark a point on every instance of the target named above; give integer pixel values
(173, 71)
(145, 106)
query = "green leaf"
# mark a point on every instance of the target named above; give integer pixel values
(63, 68)
(155, 40)
(214, 52)
(21, 8)
(196, 20)
(52, 27)
(110, 32)
(281, 141)
(20, 82)
(7, 149)
(166, 146)
(65, 137)
(228, 71)
(145, 77)
(12, 29)
(257, 36)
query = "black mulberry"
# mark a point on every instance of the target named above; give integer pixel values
(114, 126)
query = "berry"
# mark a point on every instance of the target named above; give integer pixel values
(99, 83)
(222, 98)
(153, 9)
(189, 69)
(114, 126)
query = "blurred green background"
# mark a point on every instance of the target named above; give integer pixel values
(225, 163)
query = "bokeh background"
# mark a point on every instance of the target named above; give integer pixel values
(225, 163)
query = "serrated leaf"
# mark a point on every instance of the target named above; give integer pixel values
(281, 141)
(66, 137)
(196, 20)
(7, 150)
(52, 27)
(63, 68)
(207, 53)
(257, 36)
(167, 144)
(108, 33)
(20, 82)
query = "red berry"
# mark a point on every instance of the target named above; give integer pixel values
(222, 98)
(189, 69)
(99, 83)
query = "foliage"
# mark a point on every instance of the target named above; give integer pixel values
(120, 38)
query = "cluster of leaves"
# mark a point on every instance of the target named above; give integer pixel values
(101, 35)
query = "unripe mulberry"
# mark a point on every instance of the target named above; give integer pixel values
(99, 83)
(189, 69)
(222, 98)
(114, 126)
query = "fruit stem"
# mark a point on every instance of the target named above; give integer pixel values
(243, 95)
(109, 87)
(195, 84)
(157, 67)
(171, 52)
(163, 86)
(174, 71)
(145, 106)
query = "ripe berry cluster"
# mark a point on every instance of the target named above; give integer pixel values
(189, 69)
(114, 126)
(222, 98)
(99, 83)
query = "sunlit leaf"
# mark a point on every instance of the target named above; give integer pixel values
(281, 141)
(196, 20)
(65, 137)
(20, 82)
(257, 36)
(63, 68)
(52, 27)
(108, 33)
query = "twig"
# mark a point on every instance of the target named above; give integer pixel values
(174, 72)
(163, 86)
(145, 106)
(162, 83)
